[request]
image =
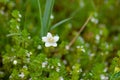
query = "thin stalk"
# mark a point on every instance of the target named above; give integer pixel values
(40, 15)
(79, 32)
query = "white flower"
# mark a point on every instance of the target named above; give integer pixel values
(30, 78)
(18, 20)
(10, 76)
(97, 37)
(67, 47)
(29, 37)
(15, 62)
(21, 75)
(94, 20)
(59, 64)
(39, 47)
(58, 69)
(52, 67)
(20, 15)
(17, 27)
(82, 3)
(52, 16)
(44, 64)
(1, 73)
(28, 54)
(25, 67)
(103, 77)
(73, 67)
(81, 48)
(50, 40)
(61, 78)
(80, 70)
(65, 62)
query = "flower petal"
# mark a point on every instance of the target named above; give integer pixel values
(49, 35)
(47, 44)
(44, 39)
(54, 44)
(56, 38)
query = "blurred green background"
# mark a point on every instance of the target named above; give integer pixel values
(106, 18)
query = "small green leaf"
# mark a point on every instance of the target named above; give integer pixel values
(59, 23)
(15, 14)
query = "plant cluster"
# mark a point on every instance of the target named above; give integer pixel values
(46, 40)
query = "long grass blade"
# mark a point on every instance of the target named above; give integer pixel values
(65, 20)
(40, 15)
(59, 23)
(46, 16)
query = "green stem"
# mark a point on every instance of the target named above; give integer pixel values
(40, 15)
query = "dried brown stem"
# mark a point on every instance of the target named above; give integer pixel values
(81, 29)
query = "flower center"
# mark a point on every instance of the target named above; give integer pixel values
(50, 39)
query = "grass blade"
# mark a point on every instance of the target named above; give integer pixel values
(65, 20)
(40, 15)
(46, 16)
(59, 23)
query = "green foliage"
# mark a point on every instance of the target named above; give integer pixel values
(115, 76)
(94, 55)
(75, 72)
